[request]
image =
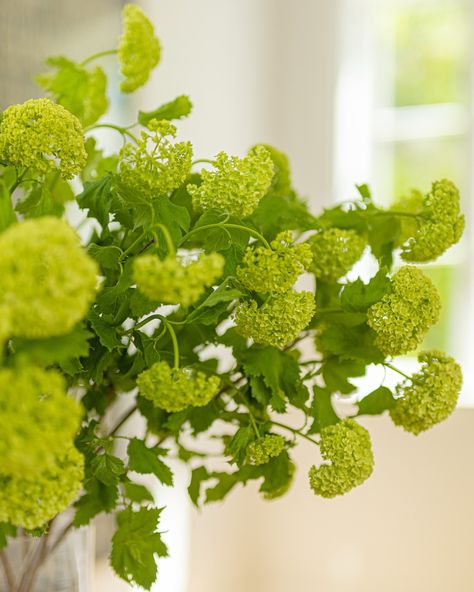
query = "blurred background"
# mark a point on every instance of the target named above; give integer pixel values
(353, 91)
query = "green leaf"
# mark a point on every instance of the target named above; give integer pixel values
(55, 350)
(322, 410)
(107, 256)
(384, 235)
(356, 342)
(146, 460)
(97, 198)
(135, 545)
(279, 371)
(135, 492)
(176, 109)
(336, 372)
(107, 468)
(106, 333)
(225, 483)
(175, 218)
(364, 191)
(98, 498)
(278, 474)
(276, 213)
(198, 476)
(376, 402)
(6, 530)
(237, 447)
(357, 296)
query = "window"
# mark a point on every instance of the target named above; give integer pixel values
(404, 120)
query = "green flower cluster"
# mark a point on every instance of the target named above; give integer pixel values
(175, 389)
(30, 501)
(39, 420)
(260, 451)
(278, 321)
(281, 182)
(274, 270)
(155, 165)
(139, 49)
(440, 224)
(171, 282)
(47, 281)
(335, 251)
(402, 317)
(236, 185)
(81, 91)
(432, 394)
(43, 136)
(348, 447)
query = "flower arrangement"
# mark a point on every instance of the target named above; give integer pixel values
(182, 254)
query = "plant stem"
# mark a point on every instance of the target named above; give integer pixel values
(297, 432)
(124, 419)
(175, 343)
(133, 245)
(396, 213)
(98, 55)
(7, 570)
(395, 369)
(122, 130)
(168, 239)
(225, 225)
(199, 160)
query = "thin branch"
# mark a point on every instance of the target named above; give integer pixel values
(7, 570)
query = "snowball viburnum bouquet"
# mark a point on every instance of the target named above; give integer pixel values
(183, 254)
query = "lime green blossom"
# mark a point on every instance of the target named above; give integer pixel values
(170, 281)
(43, 136)
(175, 389)
(402, 317)
(335, 251)
(39, 420)
(47, 280)
(139, 49)
(278, 321)
(440, 224)
(80, 90)
(431, 396)
(348, 447)
(156, 165)
(274, 270)
(260, 451)
(236, 185)
(30, 501)
(281, 183)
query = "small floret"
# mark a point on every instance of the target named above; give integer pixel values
(80, 90)
(236, 185)
(281, 182)
(278, 321)
(155, 165)
(39, 420)
(139, 50)
(260, 451)
(175, 389)
(30, 501)
(43, 136)
(170, 281)
(402, 317)
(47, 280)
(440, 224)
(348, 447)
(274, 270)
(431, 396)
(335, 251)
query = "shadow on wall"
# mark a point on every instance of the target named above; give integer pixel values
(408, 529)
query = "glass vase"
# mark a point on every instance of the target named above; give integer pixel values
(67, 567)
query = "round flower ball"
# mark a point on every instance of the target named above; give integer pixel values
(47, 280)
(43, 136)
